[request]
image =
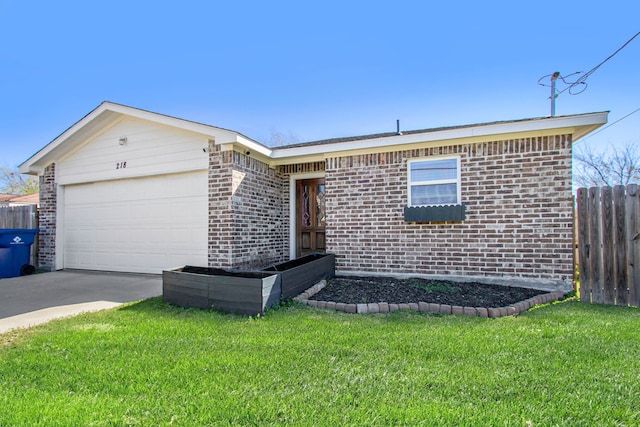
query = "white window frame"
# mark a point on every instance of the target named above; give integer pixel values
(456, 181)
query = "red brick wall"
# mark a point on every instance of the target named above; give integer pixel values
(47, 212)
(248, 212)
(518, 218)
(220, 208)
(260, 220)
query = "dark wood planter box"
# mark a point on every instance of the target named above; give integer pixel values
(298, 275)
(249, 293)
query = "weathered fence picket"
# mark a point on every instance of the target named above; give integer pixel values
(583, 245)
(609, 244)
(621, 277)
(608, 284)
(595, 258)
(634, 241)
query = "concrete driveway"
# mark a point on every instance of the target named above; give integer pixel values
(31, 300)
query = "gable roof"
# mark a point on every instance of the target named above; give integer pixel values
(107, 113)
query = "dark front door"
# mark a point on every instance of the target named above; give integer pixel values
(310, 214)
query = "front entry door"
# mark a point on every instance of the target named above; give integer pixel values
(310, 214)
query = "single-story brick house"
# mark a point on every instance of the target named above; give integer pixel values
(125, 189)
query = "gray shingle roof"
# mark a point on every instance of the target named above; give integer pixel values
(405, 132)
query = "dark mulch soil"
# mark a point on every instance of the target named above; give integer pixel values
(359, 290)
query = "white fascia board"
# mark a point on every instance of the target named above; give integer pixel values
(110, 112)
(593, 121)
(36, 170)
(27, 168)
(30, 165)
(221, 135)
(254, 146)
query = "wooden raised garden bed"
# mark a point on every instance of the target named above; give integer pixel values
(244, 292)
(298, 275)
(240, 292)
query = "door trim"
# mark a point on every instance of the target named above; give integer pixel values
(292, 206)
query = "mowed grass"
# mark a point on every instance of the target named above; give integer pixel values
(153, 364)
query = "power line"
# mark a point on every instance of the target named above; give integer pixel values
(580, 81)
(593, 70)
(609, 125)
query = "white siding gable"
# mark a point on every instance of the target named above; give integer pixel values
(150, 149)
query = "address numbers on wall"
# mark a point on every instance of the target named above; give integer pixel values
(121, 165)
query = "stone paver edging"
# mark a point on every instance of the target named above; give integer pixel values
(383, 307)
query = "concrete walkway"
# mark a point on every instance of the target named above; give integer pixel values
(32, 300)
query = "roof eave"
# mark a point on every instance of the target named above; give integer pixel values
(34, 164)
(579, 125)
(107, 113)
(253, 146)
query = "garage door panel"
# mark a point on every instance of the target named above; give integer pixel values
(139, 225)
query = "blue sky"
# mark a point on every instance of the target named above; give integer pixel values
(314, 70)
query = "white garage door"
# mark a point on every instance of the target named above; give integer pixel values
(141, 225)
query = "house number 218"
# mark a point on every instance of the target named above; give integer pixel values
(121, 165)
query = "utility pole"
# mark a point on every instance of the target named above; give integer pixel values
(554, 95)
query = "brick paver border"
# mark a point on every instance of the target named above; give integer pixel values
(383, 307)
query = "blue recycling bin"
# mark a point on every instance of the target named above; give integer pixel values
(15, 251)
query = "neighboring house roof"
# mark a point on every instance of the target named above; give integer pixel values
(19, 199)
(4, 198)
(108, 113)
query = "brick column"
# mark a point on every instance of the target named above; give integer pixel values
(47, 213)
(220, 207)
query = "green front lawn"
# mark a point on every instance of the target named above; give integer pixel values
(152, 364)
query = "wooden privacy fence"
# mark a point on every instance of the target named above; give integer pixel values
(608, 227)
(19, 216)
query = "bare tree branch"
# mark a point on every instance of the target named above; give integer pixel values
(618, 166)
(12, 182)
(279, 139)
